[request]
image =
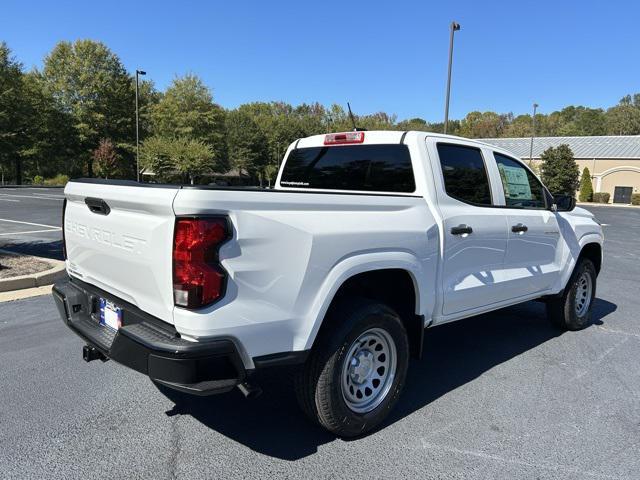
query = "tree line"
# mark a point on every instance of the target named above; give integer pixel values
(75, 116)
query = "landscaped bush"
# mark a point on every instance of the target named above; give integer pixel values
(635, 199)
(601, 197)
(586, 189)
(59, 179)
(38, 180)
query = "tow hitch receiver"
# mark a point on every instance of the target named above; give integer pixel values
(90, 353)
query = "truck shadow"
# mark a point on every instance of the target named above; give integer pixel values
(455, 354)
(52, 249)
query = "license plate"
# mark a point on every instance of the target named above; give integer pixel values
(110, 315)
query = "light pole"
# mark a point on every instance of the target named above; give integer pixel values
(454, 27)
(138, 73)
(533, 133)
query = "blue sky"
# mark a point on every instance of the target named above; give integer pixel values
(380, 56)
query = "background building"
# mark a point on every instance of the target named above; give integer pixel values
(614, 161)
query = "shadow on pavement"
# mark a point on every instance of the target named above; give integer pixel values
(51, 250)
(455, 354)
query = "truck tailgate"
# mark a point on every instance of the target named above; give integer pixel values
(119, 238)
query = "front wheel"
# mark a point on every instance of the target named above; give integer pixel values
(357, 369)
(572, 310)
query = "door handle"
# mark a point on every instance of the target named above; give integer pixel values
(519, 228)
(461, 230)
(97, 205)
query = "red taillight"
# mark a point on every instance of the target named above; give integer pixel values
(198, 278)
(342, 138)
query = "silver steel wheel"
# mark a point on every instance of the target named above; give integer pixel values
(368, 370)
(584, 293)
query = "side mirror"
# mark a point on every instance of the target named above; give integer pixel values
(564, 203)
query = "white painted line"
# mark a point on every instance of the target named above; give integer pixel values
(52, 195)
(15, 234)
(30, 223)
(29, 196)
(9, 200)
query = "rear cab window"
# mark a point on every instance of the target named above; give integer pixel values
(366, 168)
(465, 174)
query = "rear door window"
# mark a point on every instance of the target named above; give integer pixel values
(465, 175)
(371, 168)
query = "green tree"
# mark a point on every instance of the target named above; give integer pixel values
(186, 110)
(559, 170)
(586, 187)
(13, 114)
(180, 158)
(53, 145)
(520, 126)
(89, 82)
(269, 173)
(624, 118)
(483, 125)
(247, 144)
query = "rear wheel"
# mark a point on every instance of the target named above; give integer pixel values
(572, 310)
(357, 368)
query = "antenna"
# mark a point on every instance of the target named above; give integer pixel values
(353, 120)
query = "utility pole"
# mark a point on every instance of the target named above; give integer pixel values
(138, 73)
(454, 27)
(533, 133)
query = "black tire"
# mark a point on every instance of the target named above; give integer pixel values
(562, 311)
(319, 383)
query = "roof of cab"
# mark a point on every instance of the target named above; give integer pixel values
(386, 136)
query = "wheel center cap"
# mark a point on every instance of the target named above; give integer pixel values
(361, 366)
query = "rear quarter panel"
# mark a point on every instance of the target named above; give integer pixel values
(290, 252)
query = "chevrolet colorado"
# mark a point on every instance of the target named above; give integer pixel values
(367, 239)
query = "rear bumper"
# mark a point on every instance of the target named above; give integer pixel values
(149, 345)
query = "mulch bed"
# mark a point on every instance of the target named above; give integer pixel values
(16, 265)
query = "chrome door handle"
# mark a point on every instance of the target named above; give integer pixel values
(461, 230)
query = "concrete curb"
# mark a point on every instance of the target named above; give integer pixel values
(40, 279)
(616, 205)
(25, 293)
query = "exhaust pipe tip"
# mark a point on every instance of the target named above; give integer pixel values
(249, 391)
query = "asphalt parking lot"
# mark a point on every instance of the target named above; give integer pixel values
(502, 395)
(30, 221)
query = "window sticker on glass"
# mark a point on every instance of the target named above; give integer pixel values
(515, 181)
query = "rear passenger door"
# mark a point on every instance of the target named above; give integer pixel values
(532, 261)
(475, 230)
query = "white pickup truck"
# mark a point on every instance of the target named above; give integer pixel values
(368, 239)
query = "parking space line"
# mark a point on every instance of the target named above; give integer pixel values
(30, 196)
(54, 227)
(9, 200)
(15, 234)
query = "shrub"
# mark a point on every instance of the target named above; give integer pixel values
(58, 180)
(38, 180)
(560, 172)
(635, 199)
(586, 188)
(601, 197)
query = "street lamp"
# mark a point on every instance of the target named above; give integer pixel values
(138, 73)
(533, 132)
(454, 27)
